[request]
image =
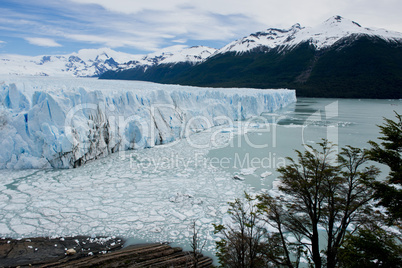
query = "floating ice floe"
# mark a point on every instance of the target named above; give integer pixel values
(266, 174)
(247, 171)
(115, 197)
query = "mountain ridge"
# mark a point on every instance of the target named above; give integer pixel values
(94, 62)
(321, 36)
(338, 58)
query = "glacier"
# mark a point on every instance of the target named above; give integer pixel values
(54, 122)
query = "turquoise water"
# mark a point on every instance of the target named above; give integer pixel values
(264, 149)
(307, 122)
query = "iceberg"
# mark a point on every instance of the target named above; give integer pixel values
(49, 122)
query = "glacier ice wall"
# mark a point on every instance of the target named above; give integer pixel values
(62, 123)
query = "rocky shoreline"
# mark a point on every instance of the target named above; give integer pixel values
(82, 251)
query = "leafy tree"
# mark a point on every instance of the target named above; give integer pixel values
(373, 247)
(279, 250)
(389, 152)
(324, 191)
(370, 248)
(320, 191)
(240, 244)
(197, 244)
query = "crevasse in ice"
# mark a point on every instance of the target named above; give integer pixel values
(62, 123)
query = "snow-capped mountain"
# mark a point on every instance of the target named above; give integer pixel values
(321, 36)
(94, 62)
(338, 58)
(87, 62)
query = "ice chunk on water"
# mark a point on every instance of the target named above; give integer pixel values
(88, 200)
(266, 174)
(247, 171)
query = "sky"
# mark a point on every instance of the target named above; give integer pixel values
(51, 27)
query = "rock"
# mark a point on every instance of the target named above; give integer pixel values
(94, 252)
(40, 250)
(70, 251)
(239, 178)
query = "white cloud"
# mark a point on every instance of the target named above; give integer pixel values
(180, 41)
(114, 42)
(154, 24)
(268, 13)
(43, 42)
(134, 7)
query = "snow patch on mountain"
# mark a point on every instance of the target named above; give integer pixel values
(172, 55)
(270, 38)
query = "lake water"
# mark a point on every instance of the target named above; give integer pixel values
(155, 194)
(307, 122)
